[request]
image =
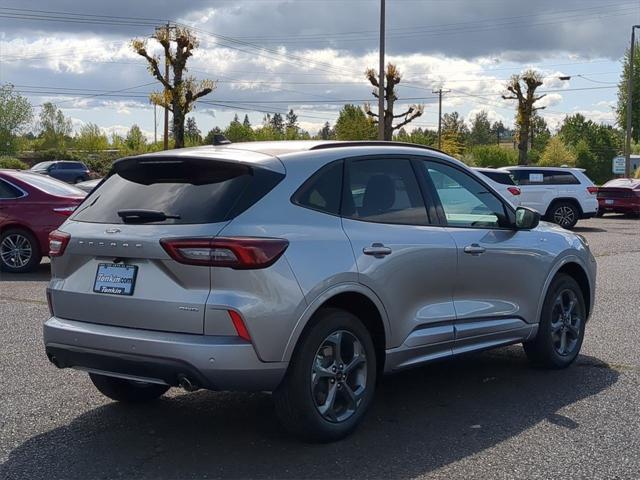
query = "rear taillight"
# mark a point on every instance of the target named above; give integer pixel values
(58, 242)
(65, 211)
(592, 190)
(238, 324)
(241, 253)
(514, 190)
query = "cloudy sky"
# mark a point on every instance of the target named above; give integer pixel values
(310, 55)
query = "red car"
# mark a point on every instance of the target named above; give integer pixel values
(31, 206)
(621, 195)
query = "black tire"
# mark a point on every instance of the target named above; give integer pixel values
(544, 350)
(565, 214)
(127, 391)
(600, 213)
(296, 400)
(17, 236)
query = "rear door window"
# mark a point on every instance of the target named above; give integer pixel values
(383, 191)
(560, 178)
(190, 191)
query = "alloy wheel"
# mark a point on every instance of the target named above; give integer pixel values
(339, 376)
(566, 323)
(564, 215)
(16, 250)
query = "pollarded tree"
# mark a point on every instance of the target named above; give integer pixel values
(180, 92)
(392, 78)
(522, 88)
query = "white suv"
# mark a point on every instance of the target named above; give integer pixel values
(561, 195)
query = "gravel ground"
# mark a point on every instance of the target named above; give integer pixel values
(482, 416)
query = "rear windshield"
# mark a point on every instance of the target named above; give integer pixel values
(501, 177)
(188, 190)
(49, 185)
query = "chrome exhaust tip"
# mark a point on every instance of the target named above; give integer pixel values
(186, 384)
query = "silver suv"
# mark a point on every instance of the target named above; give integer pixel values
(308, 269)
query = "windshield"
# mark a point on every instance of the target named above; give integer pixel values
(41, 166)
(49, 185)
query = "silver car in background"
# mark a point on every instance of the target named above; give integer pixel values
(308, 269)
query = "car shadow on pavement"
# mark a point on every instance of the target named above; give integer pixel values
(579, 229)
(422, 419)
(42, 273)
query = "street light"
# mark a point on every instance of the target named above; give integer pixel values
(627, 145)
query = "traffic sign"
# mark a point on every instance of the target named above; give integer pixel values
(618, 165)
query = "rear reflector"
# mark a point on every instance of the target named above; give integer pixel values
(49, 302)
(241, 253)
(592, 190)
(58, 242)
(514, 190)
(239, 325)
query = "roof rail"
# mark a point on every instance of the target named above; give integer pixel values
(372, 143)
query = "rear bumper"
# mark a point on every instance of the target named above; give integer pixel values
(619, 207)
(211, 362)
(586, 215)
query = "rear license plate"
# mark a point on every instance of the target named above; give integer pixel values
(115, 278)
(608, 202)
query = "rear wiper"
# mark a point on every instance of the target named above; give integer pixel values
(143, 216)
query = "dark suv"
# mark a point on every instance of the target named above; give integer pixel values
(67, 171)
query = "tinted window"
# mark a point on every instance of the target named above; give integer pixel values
(323, 190)
(544, 177)
(501, 177)
(49, 185)
(385, 191)
(195, 191)
(560, 178)
(465, 201)
(8, 191)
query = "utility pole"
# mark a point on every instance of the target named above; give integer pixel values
(381, 74)
(155, 123)
(166, 110)
(627, 146)
(440, 92)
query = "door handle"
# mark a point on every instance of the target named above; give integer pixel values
(378, 250)
(474, 249)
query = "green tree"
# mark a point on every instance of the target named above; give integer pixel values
(557, 154)
(623, 87)
(267, 133)
(192, 133)
(208, 139)
(135, 140)
(238, 132)
(522, 88)
(604, 141)
(246, 122)
(55, 129)
(15, 114)
(492, 156)
(454, 134)
(277, 123)
(91, 139)
(392, 78)
(326, 132)
(498, 130)
(179, 92)
(481, 133)
(354, 124)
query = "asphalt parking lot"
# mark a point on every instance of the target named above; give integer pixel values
(488, 415)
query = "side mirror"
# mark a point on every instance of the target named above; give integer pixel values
(526, 218)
